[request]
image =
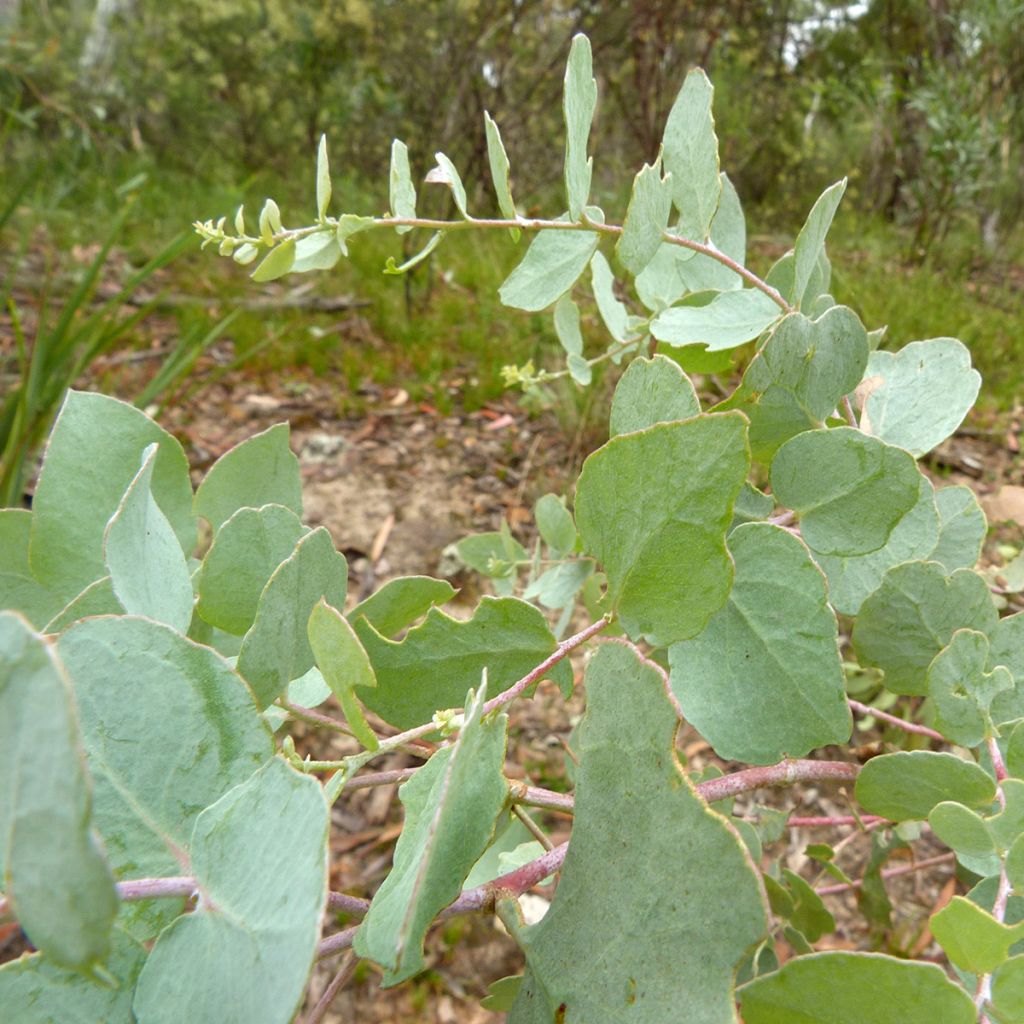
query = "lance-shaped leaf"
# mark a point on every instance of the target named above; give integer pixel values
(750, 660)
(913, 615)
(653, 507)
(552, 265)
(852, 579)
(962, 690)
(1007, 639)
(402, 191)
(613, 311)
(245, 552)
(400, 602)
(168, 727)
(690, 149)
(730, 319)
(555, 525)
(908, 785)
(148, 572)
(276, 649)
(641, 832)
(651, 391)
(259, 856)
(800, 375)
(849, 490)
(428, 669)
(445, 173)
(962, 528)
(452, 805)
(578, 102)
(54, 874)
(278, 262)
(917, 397)
(91, 457)
(973, 939)
(498, 160)
(262, 470)
(323, 179)
(866, 988)
(19, 589)
(567, 326)
(729, 236)
(344, 664)
(650, 204)
(810, 243)
(34, 990)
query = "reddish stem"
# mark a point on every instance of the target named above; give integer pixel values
(920, 730)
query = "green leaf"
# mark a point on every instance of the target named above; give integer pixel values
(613, 311)
(557, 586)
(730, 319)
(917, 397)
(729, 236)
(810, 916)
(97, 599)
(578, 103)
(1007, 640)
(908, 785)
(752, 506)
(34, 990)
(670, 858)
(1015, 751)
(350, 224)
(276, 649)
(913, 615)
(501, 994)
(968, 835)
(810, 243)
(653, 508)
(445, 173)
(651, 391)
(650, 204)
(555, 525)
(451, 807)
(262, 470)
(567, 326)
(552, 265)
(319, 251)
(491, 554)
(54, 874)
(344, 663)
(434, 665)
(323, 179)
(579, 369)
(273, 828)
(19, 589)
(962, 528)
(147, 567)
(168, 727)
(400, 602)
(278, 262)
(800, 375)
(749, 660)
(855, 988)
(851, 580)
(402, 190)
(1007, 1003)
(690, 149)
(498, 160)
(848, 489)
(92, 456)
(1008, 825)
(973, 940)
(394, 269)
(270, 221)
(660, 283)
(247, 549)
(962, 690)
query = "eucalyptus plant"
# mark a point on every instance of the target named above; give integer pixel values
(754, 569)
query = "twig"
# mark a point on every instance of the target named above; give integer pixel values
(907, 869)
(533, 828)
(845, 819)
(851, 416)
(345, 971)
(783, 774)
(920, 730)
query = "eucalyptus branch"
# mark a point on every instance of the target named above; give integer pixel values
(900, 723)
(906, 869)
(342, 975)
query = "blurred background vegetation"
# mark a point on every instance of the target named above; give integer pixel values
(144, 115)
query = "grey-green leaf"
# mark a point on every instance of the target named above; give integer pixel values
(276, 649)
(272, 827)
(553, 263)
(913, 615)
(651, 391)
(498, 160)
(690, 149)
(850, 490)
(567, 326)
(810, 243)
(555, 525)
(19, 589)
(650, 204)
(278, 262)
(400, 602)
(750, 660)
(578, 103)
(729, 236)
(319, 251)
(1007, 648)
(452, 805)
(653, 508)
(730, 319)
(966, 833)
(261, 470)
(323, 179)
(907, 785)
(917, 397)
(668, 856)
(445, 173)
(613, 311)
(962, 528)
(402, 190)
(53, 872)
(147, 567)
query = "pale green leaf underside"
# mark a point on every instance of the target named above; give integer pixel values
(730, 319)
(810, 243)
(402, 192)
(498, 160)
(579, 101)
(653, 508)
(669, 858)
(51, 869)
(752, 659)
(259, 855)
(613, 311)
(729, 235)
(651, 391)
(962, 528)
(646, 219)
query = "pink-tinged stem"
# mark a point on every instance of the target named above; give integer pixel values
(907, 869)
(784, 773)
(884, 716)
(846, 819)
